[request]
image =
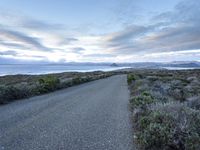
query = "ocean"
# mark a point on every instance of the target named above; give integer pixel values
(35, 69)
(179, 68)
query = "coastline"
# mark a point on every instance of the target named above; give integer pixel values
(20, 86)
(35, 69)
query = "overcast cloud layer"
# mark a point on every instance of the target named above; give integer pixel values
(167, 35)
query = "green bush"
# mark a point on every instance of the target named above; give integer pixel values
(85, 79)
(167, 118)
(165, 130)
(178, 94)
(155, 130)
(10, 93)
(142, 100)
(130, 78)
(7, 93)
(76, 81)
(48, 83)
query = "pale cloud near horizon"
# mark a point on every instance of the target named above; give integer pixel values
(169, 36)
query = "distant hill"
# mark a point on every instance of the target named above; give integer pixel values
(150, 65)
(184, 64)
(114, 65)
(155, 65)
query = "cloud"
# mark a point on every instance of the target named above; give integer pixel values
(13, 45)
(78, 50)
(39, 25)
(100, 55)
(67, 41)
(126, 12)
(171, 31)
(33, 39)
(127, 33)
(10, 52)
(19, 60)
(22, 38)
(18, 19)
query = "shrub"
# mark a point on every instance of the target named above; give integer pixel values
(48, 83)
(142, 100)
(165, 129)
(65, 84)
(152, 78)
(192, 141)
(155, 130)
(76, 81)
(168, 116)
(87, 79)
(130, 78)
(178, 94)
(7, 93)
(194, 102)
(10, 93)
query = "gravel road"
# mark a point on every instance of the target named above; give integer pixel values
(91, 116)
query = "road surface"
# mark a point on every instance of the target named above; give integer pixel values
(91, 116)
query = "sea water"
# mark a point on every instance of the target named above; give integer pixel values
(34, 69)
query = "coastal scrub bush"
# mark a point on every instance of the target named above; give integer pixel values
(48, 83)
(178, 94)
(142, 100)
(167, 117)
(168, 128)
(9, 93)
(76, 81)
(155, 130)
(130, 78)
(194, 102)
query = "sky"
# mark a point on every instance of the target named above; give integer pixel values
(49, 31)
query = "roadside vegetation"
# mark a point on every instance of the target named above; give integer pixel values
(166, 109)
(14, 87)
